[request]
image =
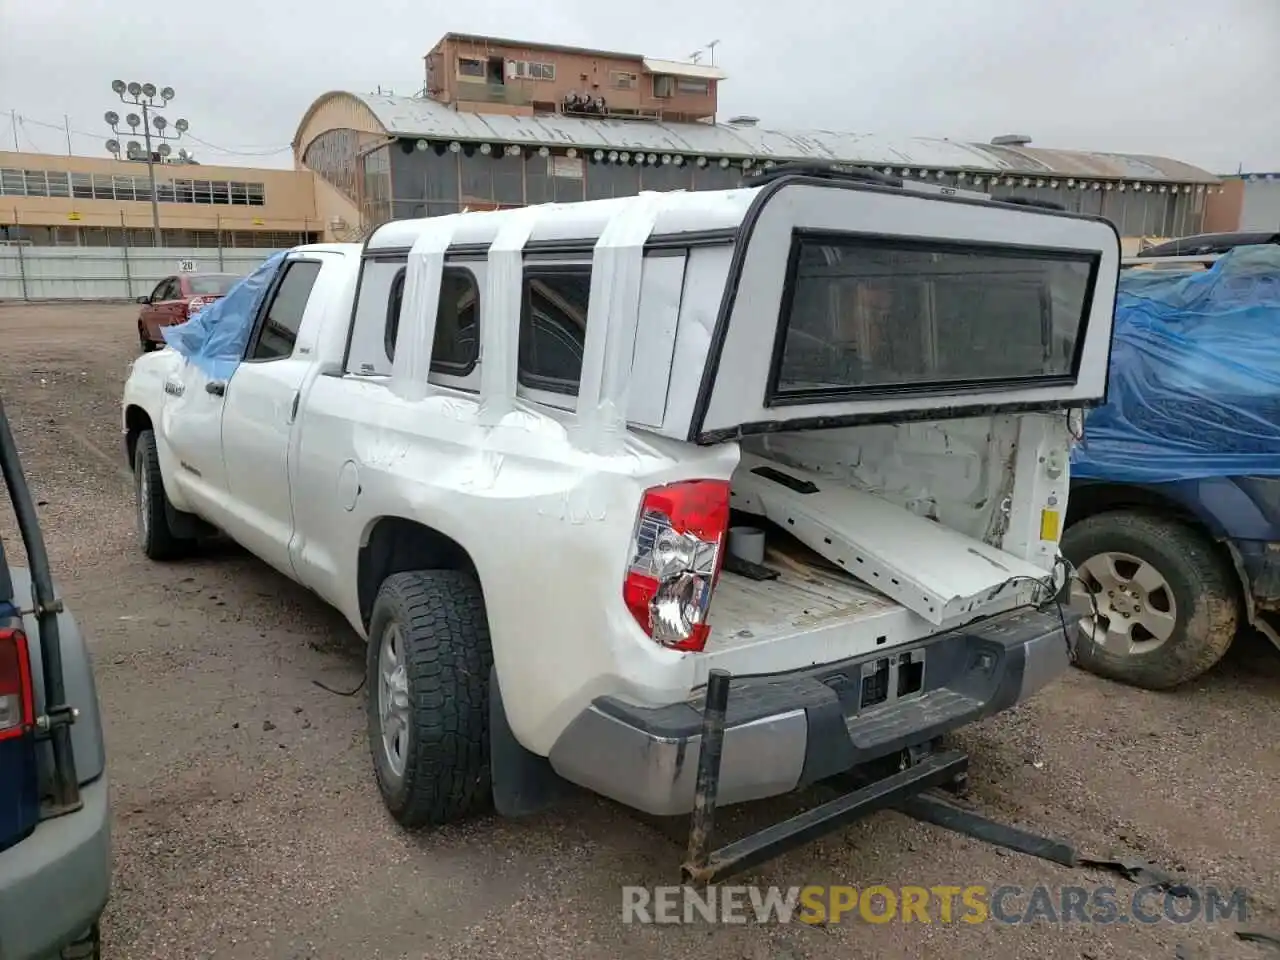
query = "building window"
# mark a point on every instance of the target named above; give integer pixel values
(882, 314)
(35, 183)
(693, 85)
(532, 70)
(470, 67)
(553, 327)
(664, 86)
(11, 183)
(85, 186)
(625, 81)
(334, 156)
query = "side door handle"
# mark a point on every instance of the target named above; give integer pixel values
(216, 387)
(293, 411)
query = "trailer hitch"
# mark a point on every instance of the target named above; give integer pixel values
(903, 791)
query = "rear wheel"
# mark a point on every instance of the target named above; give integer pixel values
(1159, 605)
(428, 708)
(88, 947)
(154, 531)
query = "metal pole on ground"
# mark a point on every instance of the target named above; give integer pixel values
(128, 275)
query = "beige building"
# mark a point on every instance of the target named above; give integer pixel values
(90, 201)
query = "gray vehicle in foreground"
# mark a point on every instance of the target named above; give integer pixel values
(55, 843)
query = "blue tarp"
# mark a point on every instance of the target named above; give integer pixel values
(1194, 385)
(214, 339)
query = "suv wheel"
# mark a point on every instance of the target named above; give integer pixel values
(1160, 605)
(428, 668)
(88, 947)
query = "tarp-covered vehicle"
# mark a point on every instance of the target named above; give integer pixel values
(1174, 517)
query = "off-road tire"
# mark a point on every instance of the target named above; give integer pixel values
(447, 656)
(154, 533)
(88, 947)
(1205, 590)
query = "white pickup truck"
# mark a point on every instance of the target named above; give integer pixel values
(556, 464)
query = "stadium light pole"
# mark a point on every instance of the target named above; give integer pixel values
(144, 96)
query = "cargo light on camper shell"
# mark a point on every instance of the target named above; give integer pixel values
(677, 552)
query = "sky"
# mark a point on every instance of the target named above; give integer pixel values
(1185, 79)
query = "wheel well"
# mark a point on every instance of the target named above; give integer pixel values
(1091, 499)
(397, 545)
(1094, 498)
(135, 421)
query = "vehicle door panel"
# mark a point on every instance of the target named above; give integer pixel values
(191, 437)
(259, 412)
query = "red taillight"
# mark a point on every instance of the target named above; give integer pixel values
(676, 554)
(17, 704)
(196, 304)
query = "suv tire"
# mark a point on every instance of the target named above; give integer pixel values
(428, 666)
(1198, 587)
(88, 947)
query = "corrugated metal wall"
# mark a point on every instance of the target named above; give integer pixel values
(1261, 207)
(108, 273)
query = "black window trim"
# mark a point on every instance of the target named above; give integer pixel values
(443, 368)
(268, 300)
(786, 398)
(533, 271)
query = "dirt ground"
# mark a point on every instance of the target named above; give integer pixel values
(247, 823)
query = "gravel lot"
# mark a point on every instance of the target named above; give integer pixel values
(248, 825)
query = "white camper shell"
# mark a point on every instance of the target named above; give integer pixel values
(567, 407)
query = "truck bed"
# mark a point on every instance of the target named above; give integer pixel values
(807, 594)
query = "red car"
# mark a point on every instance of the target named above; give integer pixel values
(175, 299)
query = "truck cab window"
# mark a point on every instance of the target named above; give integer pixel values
(279, 330)
(553, 328)
(457, 338)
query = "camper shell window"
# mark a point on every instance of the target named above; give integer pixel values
(874, 314)
(457, 340)
(553, 327)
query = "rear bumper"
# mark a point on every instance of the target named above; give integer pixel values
(54, 884)
(786, 730)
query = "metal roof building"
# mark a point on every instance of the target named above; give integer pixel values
(401, 156)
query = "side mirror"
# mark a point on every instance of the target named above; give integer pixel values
(144, 299)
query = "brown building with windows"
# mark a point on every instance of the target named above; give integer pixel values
(491, 75)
